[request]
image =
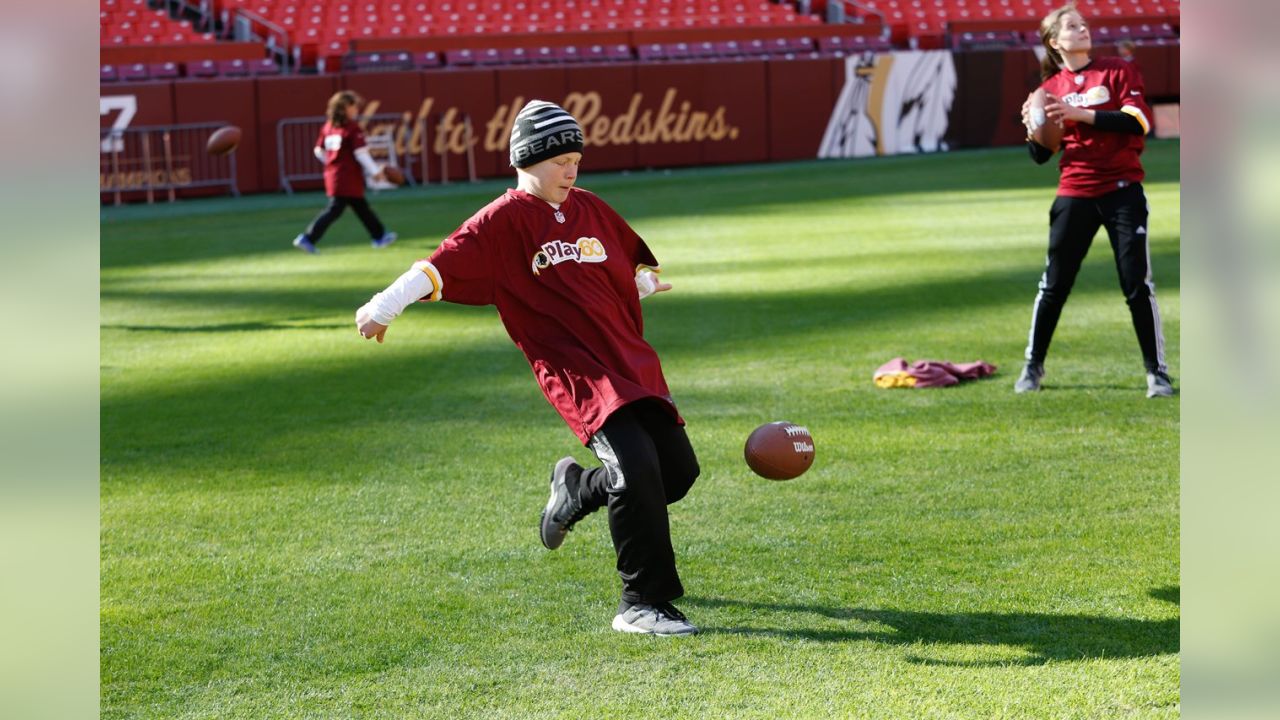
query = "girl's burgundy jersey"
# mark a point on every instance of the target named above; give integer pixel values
(1095, 162)
(343, 176)
(564, 285)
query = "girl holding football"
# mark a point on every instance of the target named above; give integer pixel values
(1099, 104)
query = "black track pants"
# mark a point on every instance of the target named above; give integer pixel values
(1072, 224)
(647, 464)
(333, 211)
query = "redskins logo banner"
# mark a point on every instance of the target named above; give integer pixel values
(892, 103)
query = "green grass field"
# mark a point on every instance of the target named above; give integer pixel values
(298, 523)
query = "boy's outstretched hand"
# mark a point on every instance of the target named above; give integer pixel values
(368, 327)
(647, 283)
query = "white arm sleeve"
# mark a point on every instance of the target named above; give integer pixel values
(366, 161)
(319, 152)
(406, 290)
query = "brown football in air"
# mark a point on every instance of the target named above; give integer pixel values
(223, 140)
(779, 450)
(393, 174)
(1048, 133)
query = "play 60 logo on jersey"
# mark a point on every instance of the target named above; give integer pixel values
(585, 250)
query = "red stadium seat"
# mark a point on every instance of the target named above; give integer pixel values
(263, 66)
(202, 69)
(569, 54)
(130, 22)
(132, 72)
(703, 50)
(543, 55)
(728, 48)
(777, 46)
(618, 53)
(489, 56)
(515, 56)
(233, 68)
(305, 54)
(429, 59)
(163, 71)
(334, 48)
(312, 24)
(651, 51)
(460, 58)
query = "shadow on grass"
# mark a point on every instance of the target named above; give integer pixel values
(1135, 385)
(231, 327)
(1046, 637)
(701, 323)
(242, 415)
(691, 193)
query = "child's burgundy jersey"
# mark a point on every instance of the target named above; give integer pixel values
(564, 285)
(1095, 162)
(343, 176)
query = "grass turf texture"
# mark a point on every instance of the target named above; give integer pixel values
(299, 523)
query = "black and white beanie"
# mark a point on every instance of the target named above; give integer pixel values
(542, 131)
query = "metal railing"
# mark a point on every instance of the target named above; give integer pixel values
(251, 27)
(162, 159)
(295, 159)
(296, 138)
(383, 147)
(838, 13)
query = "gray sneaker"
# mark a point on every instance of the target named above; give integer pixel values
(1029, 380)
(661, 619)
(1159, 385)
(384, 241)
(563, 508)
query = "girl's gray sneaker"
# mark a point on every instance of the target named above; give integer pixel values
(1159, 385)
(1029, 380)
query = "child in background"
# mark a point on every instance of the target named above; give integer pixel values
(341, 148)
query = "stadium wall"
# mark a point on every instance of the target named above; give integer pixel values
(639, 115)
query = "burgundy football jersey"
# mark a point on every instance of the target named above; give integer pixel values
(343, 175)
(1095, 162)
(564, 285)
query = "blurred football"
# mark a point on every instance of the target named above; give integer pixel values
(1043, 130)
(393, 174)
(223, 140)
(779, 450)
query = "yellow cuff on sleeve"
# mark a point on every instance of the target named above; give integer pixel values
(1139, 116)
(433, 276)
